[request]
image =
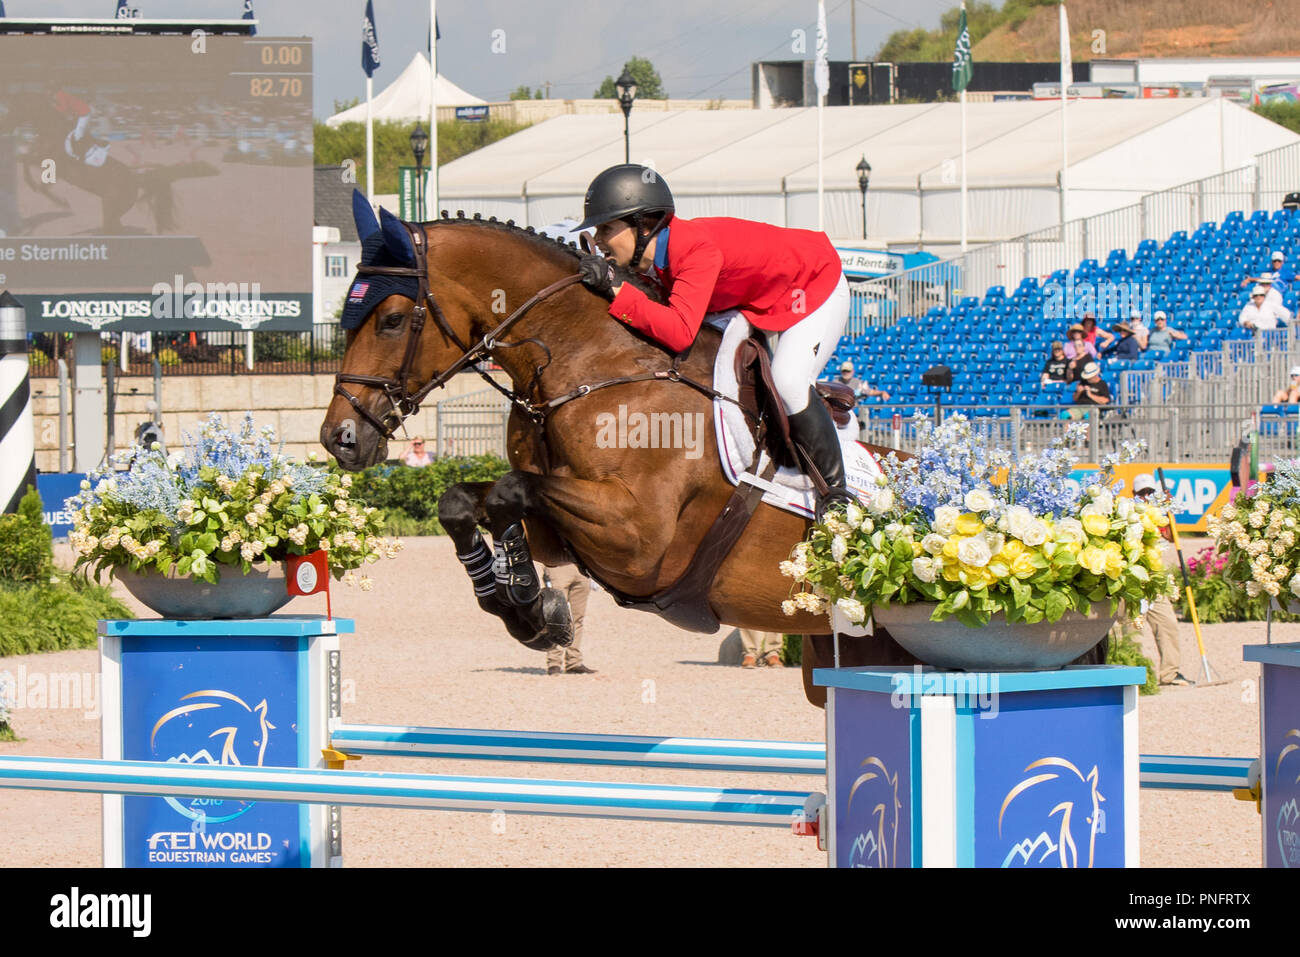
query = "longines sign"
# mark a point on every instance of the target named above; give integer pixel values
(183, 310)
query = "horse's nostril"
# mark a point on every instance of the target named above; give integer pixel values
(345, 437)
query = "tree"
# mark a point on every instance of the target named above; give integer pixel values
(526, 93)
(648, 84)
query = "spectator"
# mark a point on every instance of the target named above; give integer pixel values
(1079, 351)
(577, 589)
(1291, 394)
(416, 456)
(1127, 347)
(1259, 314)
(764, 644)
(1161, 341)
(1275, 280)
(1096, 336)
(1139, 327)
(1057, 367)
(1158, 617)
(1091, 390)
(860, 388)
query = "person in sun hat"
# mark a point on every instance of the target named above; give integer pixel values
(1260, 314)
(1091, 390)
(1291, 394)
(1276, 279)
(1160, 343)
(1078, 350)
(1127, 347)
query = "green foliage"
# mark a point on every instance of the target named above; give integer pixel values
(936, 46)
(1283, 114)
(648, 84)
(408, 497)
(1125, 650)
(1217, 600)
(26, 546)
(792, 650)
(526, 93)
(393, 145)
(54, 616)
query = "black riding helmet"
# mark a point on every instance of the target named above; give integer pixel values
(632, 192)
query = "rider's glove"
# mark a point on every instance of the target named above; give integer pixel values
(597, 275)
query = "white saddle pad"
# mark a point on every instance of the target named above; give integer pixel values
(789, 489)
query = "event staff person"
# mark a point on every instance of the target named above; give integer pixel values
(786, 281)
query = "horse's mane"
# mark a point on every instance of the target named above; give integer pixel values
(555, 247)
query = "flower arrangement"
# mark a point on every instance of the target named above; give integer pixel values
(227, 500)
(1259, 535)
(963, 526)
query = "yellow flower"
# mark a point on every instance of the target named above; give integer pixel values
(1148, 523)
(1095, 524)
(951, 571)
(917, 550)
(1153, 556)
(1012, 550)
(950, 548)
(1022, 566)
(1114, 563)
(1093, 559)
(970, 524)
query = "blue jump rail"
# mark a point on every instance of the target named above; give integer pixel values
(706, 754)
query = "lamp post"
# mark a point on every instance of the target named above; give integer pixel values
(626, 87)
(864, 180)
(419, 143)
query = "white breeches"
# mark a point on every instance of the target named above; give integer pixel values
(804, 349)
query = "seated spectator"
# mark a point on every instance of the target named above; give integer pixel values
(1260, 314)
(1057, 367)
(1275, 280)
(1127, 347)
(1139, 327)
(1091, 390)
(860, 388)
(1161, 341)
(1078, 350)
(1291, 394)
(1098, 337)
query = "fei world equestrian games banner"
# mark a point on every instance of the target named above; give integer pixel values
(156, 182)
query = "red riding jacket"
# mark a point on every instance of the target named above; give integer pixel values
(776, 276)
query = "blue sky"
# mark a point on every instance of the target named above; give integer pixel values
(701, 48)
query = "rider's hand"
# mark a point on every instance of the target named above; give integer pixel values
(597, 275)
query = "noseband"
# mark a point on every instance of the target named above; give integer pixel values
(402, 400)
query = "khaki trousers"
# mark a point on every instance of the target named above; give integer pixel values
(576, 588)
(760, 643)
(1160, 625)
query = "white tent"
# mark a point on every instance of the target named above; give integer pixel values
(406, 99)
(762, 164)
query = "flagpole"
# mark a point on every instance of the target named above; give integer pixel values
(370, 144)
(822, 77)
(963, 170)
(431, 190)
(821, 101)
(1065, 80)
(961, 79)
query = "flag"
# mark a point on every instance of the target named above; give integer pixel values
(249, 15)
(1067, 74)
(822, 71)
(961, 60)
(309, 574)
(369, 41)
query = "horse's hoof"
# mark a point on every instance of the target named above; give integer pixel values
(558, 629)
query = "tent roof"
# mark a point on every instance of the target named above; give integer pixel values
(771, 151)
(407, 97)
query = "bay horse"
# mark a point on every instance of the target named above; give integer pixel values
(632, 518)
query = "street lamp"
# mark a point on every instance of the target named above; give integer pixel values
(626, 87)
(864, 180)
(419, 143)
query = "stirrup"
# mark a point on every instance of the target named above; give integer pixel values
(838, 497)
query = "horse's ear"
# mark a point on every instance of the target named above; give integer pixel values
(364, 216)
(396, 239)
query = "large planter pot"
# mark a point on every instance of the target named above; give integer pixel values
(255, 595)
(998, 646)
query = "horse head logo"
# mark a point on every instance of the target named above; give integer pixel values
(1287, 824)
(877, 791)
(1069, 797)
(224, 724)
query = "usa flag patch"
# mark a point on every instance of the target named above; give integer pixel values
(358, 292)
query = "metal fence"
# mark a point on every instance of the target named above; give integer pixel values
(1260, 185)
(203, 353)
(472, 424)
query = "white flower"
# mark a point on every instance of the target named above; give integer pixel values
(974, 551)
(1253, 589)
(882, 501)
(787, 607)
(1018, 520)
(1105, 502)
(1035, 533)
(1294, 584)
(996, 541)
(978, 500)
(839, 548)
(1124, 508)
(853, 610)
(925, 568)
(1132, 532)
(367, 583)
(945, 520)
(1257, 519)
(933, 543)
(1070, 530)
(853, 514)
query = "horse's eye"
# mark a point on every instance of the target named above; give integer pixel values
(391, 321)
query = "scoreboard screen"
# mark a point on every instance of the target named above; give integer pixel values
(156, 182)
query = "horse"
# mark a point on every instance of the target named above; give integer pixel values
(631, 518)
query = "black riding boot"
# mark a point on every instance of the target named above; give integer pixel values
(814, 431)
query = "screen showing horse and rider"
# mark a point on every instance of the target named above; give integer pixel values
(155, 182)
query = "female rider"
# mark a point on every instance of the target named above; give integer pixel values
(787, 282)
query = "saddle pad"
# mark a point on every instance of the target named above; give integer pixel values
(789, 489)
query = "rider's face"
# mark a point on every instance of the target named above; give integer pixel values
(617, 241)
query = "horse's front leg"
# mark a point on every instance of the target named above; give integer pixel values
(460, 510)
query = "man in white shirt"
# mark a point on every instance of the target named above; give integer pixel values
(1261, 314)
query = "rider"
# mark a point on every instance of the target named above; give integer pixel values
(787, 282)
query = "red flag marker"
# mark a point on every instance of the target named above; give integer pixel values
(309, 574)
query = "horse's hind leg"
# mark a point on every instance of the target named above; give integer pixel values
(536, 618)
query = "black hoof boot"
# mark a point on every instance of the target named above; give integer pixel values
(517, 583)
(558, 630)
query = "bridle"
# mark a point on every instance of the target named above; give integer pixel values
(397, 390)
(403, 402)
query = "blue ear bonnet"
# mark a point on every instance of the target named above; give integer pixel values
(384, 242)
